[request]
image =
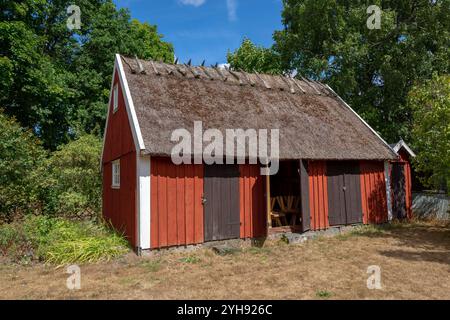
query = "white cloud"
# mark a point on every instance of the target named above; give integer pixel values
(195, 3)
(231, 7)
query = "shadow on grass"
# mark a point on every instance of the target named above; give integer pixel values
(423, 241)
(429, 256)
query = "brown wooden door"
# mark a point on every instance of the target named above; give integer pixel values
(399, 191)
(344, 193)
(221, 202)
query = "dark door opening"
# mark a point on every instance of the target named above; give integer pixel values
(399, 191)
(221, 202)
(344, 193)
(285, 196)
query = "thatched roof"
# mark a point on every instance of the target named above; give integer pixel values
(313, 122)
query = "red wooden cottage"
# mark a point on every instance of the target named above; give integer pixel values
(333, 165)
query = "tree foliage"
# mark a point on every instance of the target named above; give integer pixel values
(65, 182)
(371, 69)
(250, 57)
(56, 81)
(430, 103)
(20, 154)
(69, 181)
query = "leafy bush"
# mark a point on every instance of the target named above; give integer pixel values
(60, 241)
(20, 154)
(430, 103)
(70, 181)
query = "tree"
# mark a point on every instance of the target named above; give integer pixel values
(56, 81)
(371, 69)
(20, 154)
(251, 58)
(430, 103)
(70, 179)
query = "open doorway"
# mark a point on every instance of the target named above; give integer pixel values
(285, 197)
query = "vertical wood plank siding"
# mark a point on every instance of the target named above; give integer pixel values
(304, 190)
(408, 186)
(119, 205)
(408, 182)
(119, 138)
(405, 159)
(252, 202)
(318, 195)
(176, 204)
(373, 192)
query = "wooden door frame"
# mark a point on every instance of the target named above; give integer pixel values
(344, 172)
(221, 229)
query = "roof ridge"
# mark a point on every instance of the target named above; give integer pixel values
(228, 75)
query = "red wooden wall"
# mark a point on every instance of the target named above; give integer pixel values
(119, 138)
(405, 160)
(176, 204)
(119, 205)
(318, 194)
(253, 215)
(373, 192)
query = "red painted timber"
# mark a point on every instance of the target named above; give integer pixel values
(373, 192)
(318, 195)
(405, 159)
(119, 138)
(176, 204)
(119, 205)
(253, 214)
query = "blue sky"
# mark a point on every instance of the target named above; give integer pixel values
(207, 29)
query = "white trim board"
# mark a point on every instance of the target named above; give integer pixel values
(129, 105)
(132, 117)
(387, 179)
(402, 144)
(143, 201)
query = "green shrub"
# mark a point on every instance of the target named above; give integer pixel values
(20, 154)
(323, 294)
(70, 181)
(430, 103)
(60, 241)
(8, 236)
(190, 259)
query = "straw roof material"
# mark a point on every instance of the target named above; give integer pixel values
(313, 122)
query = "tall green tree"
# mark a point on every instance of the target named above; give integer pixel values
(430, 103)
(20, 154)
(56, 80)
(372, 69)
(250, 57)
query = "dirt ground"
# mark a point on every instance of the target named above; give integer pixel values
(414, 261)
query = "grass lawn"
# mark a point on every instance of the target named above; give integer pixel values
(414, 260)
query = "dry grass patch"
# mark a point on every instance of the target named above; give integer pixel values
(414, 259)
